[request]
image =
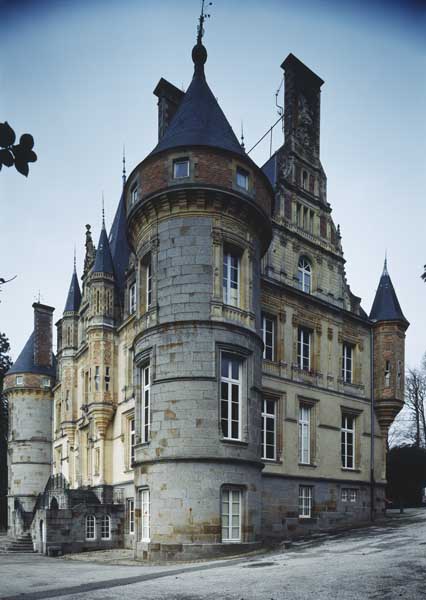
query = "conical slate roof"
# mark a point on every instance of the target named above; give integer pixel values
(386, 306)
(199, 120)
(74, 295)
(25, 361)
(103, 260)
(119, 246)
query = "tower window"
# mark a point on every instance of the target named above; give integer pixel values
(180, 168)
(305, 502)
(97, 379)
(231, 278)
(145, 515)
(146, 400)
(107, 378)
(399, 373)
(231, 515)
(304, 274)
(242, 179)
(387, 373)
(90, 527)
(134, 194)
(347, 363)
(19, 380)
(149, 284)
(230, 397)
(348, 441)
(304, 348)
(304, 180)
(132, 298)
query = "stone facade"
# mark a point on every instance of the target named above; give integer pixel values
(218, 384)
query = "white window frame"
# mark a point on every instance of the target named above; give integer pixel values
(45, 382)
(130, 508)
(132, 440)
(267, 418)
(242, 179)
(353, 495)
(347, 362)
(90, 527)
(387, 373)
(231, 498)
(105, 527)
(304, 340)
(230, 283)
(134, 194)
(177, 163)
(148, 283)
(344, 494)
(145, 404)
(305, 434)
(304, 275)
(97, 378)
(268, 337)
(144, 497)
(230, 384)
(305, 502)
(348, 439)
(19, 380)
(132, 298)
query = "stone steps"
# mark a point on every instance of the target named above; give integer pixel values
(23, 544)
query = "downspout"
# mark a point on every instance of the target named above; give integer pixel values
(372, 419)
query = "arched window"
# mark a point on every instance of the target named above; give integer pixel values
(90, 527)
(106, 527)
(304, 274)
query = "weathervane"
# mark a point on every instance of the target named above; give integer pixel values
(124, 165)
(103, 211)
(203, 17)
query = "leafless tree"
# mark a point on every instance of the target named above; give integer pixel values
(415, 399)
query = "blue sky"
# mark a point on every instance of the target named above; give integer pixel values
(79, 76)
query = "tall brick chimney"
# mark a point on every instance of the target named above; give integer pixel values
(42, 335)
(169, 98)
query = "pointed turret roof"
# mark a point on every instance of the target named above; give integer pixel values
(119, 246)
(25, 361)
(74, 294)
(386, 306)
(103, 260)
(199, 120)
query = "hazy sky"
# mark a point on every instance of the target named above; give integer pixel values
(79, 76)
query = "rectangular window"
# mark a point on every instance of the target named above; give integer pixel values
(353, 495)
(231, 515)
(132, 298)
(146, 398)
(181, 168)
(145, 515)
(304, 348)
(45, 382)
(230, 397)
(268, 337)
(134, 195)
(19, 380)
(90, 527)
(130, 511)
(107, 379)
(399, 374)
(148, 284)
(231, 278)
(242, 179)
(305, 434)
(305, 502)
(344, 495)
(387, 373)
(106, 527)
(348, 441)
(97, 379)
(347, 363)
(269, 430)
(132, 440)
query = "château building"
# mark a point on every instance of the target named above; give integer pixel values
(216, 384)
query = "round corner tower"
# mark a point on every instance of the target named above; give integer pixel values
(28, 386)
(199, 223)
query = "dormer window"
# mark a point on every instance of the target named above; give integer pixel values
(242, 179)
(180, 168)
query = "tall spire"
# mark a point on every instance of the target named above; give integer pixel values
(124, 166)
(74, 294)
(103, 211)
(199, 53)
(103, 259)
(385, 265)
(386, 306)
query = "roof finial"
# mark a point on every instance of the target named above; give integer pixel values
(242, 136)
(75, 261)
(103, 211)
(124, 165)
(385, 266)
(199, 53)
(203, 16)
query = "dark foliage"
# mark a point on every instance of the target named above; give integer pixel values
(5, 363)
(16, 154)
(406, 473)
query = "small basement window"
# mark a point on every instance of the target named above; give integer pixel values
(242, 179)
(180, 168)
